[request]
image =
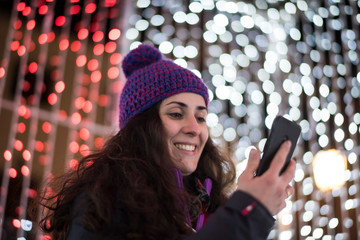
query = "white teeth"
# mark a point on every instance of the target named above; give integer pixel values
(185, 147)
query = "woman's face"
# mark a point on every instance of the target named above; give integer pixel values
(183, 116)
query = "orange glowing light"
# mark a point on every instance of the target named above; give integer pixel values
(98, 36)
(60, 20)
(25, 170)
(73, 164)
(21, 127)
(84, 134)
(14, 45)
(93, 64)
(115, 58)
(87, 107)
(26, 155)
(60, 86)
(76, 118)
(95, 76)
(17, 24)
(43, 9)
(18, 145)
(2, 72)
(113, 72)
(39, 146)
(46, 127)
(83, 33)
(12, 172)
(52, 99)
(7, 155)
(63, 44)
(74, 147)
(114, 34)
(43, 38)
(75, 9)
(75, 46)
(26, 11)
(90, 8)
(33, 67)
(30, 25)
(99, 49)
(110, 47)
(81, 60)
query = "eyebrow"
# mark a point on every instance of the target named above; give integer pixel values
(184, 105)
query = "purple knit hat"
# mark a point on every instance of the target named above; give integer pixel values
(150, 79)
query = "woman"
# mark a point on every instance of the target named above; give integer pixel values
(161, 176)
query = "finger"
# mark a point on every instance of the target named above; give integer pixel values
(253, 162)
(280, 158)
(289, 191)
(289, 173)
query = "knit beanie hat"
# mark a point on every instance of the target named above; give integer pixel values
(150, 79)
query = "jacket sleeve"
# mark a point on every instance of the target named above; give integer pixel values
(242, 218)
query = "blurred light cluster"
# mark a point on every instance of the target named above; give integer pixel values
(264, 58)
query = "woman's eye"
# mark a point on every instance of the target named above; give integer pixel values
(201, 119)
(175, 115)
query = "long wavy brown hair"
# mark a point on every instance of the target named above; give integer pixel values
(127, 178)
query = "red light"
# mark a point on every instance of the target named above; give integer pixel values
(21, 127)
(46, 127)
(94, 26)
(18, 145)
(32, 193)
(16, 223)
(42, 160)
(26, 11)
(30, 25)
(18, 35)
(75, 46)
(73, 164)
(74, 1)
(14, 45)
(76, 118)
(63, 44)
(81, 60)
(21, 50)
(115, 58)
(99, 49)
(103, 100)
(117, 86)
(59, 86)
(113, 72)
(109, 3)
(75, 9)
(26, 155)
(43, 38)
(99, 143)
(7, 155)
(17, 24)
(83, 33)
(43, 9)
(59, 21)
(12, 173)
(87, 107)
(62, 115)
(39, 146)
(114, 34)
(93, 64)
(84, 134)
(33, 67)
(90, 8)
(110, 47)
(25, 170)
(84, 150)
(51, 36)
(98, 36)
(79, 102)
(21, 6)
(95, 76)
(2, 72)
(74, 147)
(52, 99)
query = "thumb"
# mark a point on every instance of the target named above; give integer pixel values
(253, 162)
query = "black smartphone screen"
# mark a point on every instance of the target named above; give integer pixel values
(281, 130)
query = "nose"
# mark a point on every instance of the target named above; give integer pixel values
(191, 126)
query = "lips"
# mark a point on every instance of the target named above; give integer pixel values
(185, 147)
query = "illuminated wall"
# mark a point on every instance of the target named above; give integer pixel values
(59, 84)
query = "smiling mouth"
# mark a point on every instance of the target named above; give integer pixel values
(185, 147)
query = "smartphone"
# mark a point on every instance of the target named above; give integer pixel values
(281, 130)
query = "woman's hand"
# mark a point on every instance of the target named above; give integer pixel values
(270, 189)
